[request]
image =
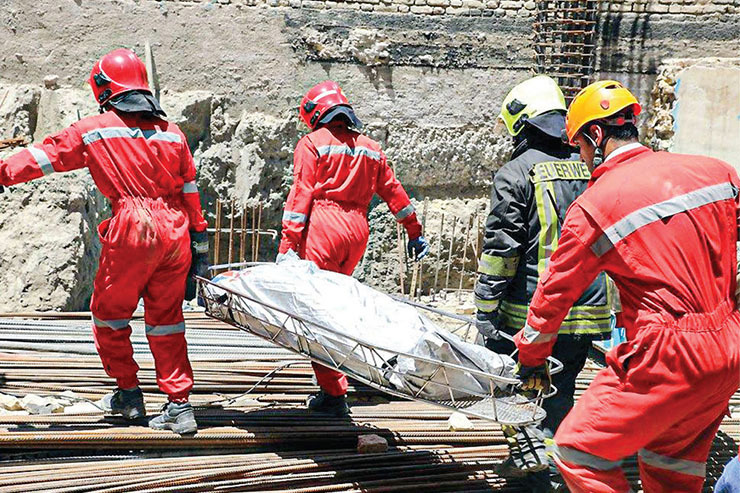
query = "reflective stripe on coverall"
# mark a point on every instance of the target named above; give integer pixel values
(144, 167)
(336, 173)
(664, 227)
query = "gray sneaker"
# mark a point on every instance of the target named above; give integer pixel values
(329, 404)
(127, 403)
(176, 416)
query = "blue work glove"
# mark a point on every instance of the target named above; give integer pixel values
(487, 325)
(534, 378)
(418, 248)
(198, 263)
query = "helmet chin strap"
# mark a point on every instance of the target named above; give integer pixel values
(598, 153)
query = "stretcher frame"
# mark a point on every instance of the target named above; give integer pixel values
(507, 406)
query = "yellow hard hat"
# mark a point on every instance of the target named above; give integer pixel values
(529, 99)
(598, 101)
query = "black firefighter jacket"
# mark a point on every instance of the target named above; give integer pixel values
(530, 196)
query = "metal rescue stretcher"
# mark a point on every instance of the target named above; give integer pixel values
(365, 362)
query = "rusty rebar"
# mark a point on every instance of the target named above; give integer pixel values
(231, 234)
(217, 238)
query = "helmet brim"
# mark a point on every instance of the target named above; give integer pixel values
(341, 110)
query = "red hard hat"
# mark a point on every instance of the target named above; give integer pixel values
(318, 102)
(117, 72)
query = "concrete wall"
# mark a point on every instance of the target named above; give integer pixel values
(635, 37)
(427, 77)
(707, 112)
(423, 79)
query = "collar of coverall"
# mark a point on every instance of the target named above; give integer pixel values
(617, 157)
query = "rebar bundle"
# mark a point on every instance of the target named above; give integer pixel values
(564, 42)
(262, 441)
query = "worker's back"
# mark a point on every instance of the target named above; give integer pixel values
(348, 167)
(130, 155)
(335, 167)
(669, 231)
(530, 196)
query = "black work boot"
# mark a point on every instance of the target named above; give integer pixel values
(527, 451)
(329, 404)
(176, 416)
(127, 403)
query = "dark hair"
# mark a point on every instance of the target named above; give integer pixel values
(628, 131)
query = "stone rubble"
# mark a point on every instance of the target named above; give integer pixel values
(459, 422)
(371, 444)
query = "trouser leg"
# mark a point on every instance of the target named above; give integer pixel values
(116, 353)
(335, 241)
(165, 326)
(583, 479)
(117, 286)
(572, 353)
(675, 462)
(331, 381)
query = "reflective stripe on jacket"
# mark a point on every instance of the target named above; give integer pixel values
(530, 196)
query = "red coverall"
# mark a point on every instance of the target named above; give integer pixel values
(664, 227)
(144, 167)
(336, 173)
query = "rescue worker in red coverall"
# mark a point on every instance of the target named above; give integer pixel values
(664, 227)
(142, 164)
(337, 170)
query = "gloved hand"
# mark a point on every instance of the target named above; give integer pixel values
(536, 378)
(199, 262)
(418, 248)
(487, 324)
(282, 256)
(199, 250)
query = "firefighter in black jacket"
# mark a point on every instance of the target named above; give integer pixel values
(530, 196)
